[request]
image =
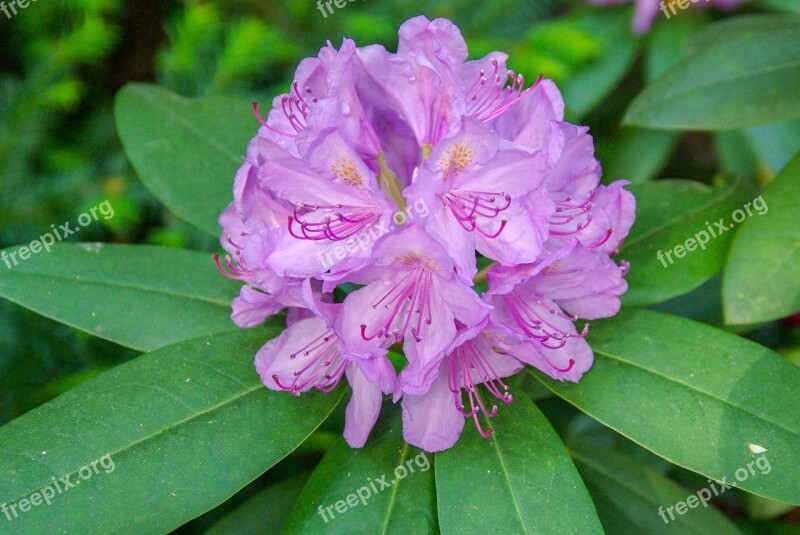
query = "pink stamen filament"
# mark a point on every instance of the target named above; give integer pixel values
(237, 273)
(236, 245)
(566, 213)
(344, 222)
(466, 361)
(536, 327)
(265, 125)
(324, 369)
(487, 101)
(410, 297)
(468, 206)
(294, 120)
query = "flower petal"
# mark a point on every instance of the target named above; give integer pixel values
(364, 407)
(431, 421)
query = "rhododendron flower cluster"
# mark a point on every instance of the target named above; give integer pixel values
(362, 135)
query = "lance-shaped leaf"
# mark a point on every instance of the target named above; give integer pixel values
(137, 296)
(266, 511)
(385, 487)
(185, 151)
(680, 237)
(700, 397)
(588, 86)
(783, 5)
(636, 154)
(730, 81)
(632, 497)
(176, 432)
(762, 276)
(519, 480)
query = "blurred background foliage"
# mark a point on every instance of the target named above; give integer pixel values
(63, 61)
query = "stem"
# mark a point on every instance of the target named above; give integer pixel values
(388, 177)
(481, 275)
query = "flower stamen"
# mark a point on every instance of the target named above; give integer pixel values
(489, 100)
(324, 369)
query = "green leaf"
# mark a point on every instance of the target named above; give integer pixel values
(586, 88)
(790, 6)
(736, 154)
(702, 398)
(137, 296)
(668, 44)
(636, 154)
(265, 512)
(349, 478)
(668, 213)
(762, 276)
(185, 151)
(519, 480)
(730, 81)
(763, 509)
(631, 496)
(776, 144)
(185, 428)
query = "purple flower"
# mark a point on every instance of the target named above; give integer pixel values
(598, 216)
(434, 420)
(540, 303)
(411, 295)
(307, 355)
(325, 197)
(479, 197)
(646, 11)
(332, 196)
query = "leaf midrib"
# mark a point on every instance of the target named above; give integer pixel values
(715, 200)
(694, 389)
(215, 408)
(393, 496)
(113, 284)
(734, 78)
(633, 489)
(153, 435)
(191, 128)
(508, 482)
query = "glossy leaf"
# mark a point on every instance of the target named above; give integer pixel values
(137, 296)
(519, 480)
(184, 428)
(789, 6)
(185, 151)
(736, 154)
(636, 154)
(776, 144)
(762, 276)
(587, 87)
(730, 81)
(385, 487)
(265, 512)
(668, 44)
(668, 213)
(702, 398)
(631, 498)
